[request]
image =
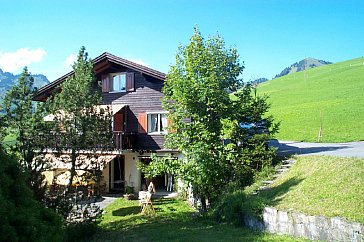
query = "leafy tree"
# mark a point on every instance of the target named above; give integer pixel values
(202, 114)
(22, 217)
(25, 121)
(80, 125)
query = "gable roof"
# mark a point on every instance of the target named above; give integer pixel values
(100, 62)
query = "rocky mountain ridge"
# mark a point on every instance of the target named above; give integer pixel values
(7, 80)
(304, 64)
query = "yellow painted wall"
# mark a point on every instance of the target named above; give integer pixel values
(105, 177)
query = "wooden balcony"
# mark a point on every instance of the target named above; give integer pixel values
(121, 141)
(124, 140)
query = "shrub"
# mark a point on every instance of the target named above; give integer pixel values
(22, 217)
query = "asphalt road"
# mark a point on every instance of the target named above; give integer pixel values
(352, 149)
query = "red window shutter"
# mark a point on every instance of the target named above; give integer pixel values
(130, 83)
(143, 124)
(118, 122)
(105, 83)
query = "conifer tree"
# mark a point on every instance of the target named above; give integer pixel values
(25, 121)
(81, 125)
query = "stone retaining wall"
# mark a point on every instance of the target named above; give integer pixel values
(310, 227)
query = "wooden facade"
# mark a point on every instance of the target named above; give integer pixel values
(142, 95)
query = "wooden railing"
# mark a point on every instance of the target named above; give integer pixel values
(121, 141)
(124, 140)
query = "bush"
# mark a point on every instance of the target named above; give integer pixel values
(22, 217)
(230, 208)
(80, 231)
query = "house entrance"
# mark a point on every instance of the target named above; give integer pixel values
(117, 174)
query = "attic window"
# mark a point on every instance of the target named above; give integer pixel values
(118, 82)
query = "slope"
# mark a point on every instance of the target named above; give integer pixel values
(339, 193)
(333, 92)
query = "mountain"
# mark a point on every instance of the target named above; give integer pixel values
(7, 80)
(304, 64)
(327, 99)
(259, 80)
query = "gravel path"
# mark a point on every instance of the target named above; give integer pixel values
(352, 149)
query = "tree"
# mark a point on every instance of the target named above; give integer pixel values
(25, 121)
(22, 217)
(202, 114)
(197, 88)
(81, 126)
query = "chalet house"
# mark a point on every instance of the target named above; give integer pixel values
(139, 121)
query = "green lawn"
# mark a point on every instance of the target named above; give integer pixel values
(174, 221)
(334, 91)
(318, 185)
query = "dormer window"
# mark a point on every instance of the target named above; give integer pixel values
(118, 82)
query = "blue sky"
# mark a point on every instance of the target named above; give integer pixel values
(269, 35)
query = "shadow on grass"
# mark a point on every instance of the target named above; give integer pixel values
(126, 211)
(179, 226)
(268, 198)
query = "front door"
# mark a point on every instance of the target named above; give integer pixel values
(118, 174)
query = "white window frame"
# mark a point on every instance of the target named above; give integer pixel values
(111, 76)
(158, 124)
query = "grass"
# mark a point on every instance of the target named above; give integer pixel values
(318, 185)
(334, 91)
(174, 221)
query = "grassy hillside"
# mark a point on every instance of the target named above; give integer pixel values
(318, 185)
(336, 91)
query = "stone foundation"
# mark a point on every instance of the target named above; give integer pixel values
(310, 227)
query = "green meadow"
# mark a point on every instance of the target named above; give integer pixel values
(330, 98)
(316, 185)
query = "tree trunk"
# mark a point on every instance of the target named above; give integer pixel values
(203, 204)
(73, 170)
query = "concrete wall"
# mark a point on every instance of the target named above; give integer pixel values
(310, 227)
(132, 174)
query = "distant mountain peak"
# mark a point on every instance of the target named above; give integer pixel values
(304, 64)
(7, 80)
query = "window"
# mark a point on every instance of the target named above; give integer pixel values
(118, 82)
(157, 123)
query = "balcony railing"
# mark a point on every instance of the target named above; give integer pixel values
(124, 140)
(121, 141)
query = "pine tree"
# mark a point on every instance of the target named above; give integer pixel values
(82, 127)
(25, 121)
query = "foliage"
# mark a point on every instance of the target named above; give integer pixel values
(232, 205)
(25, 122)
(8, 80)
(159, 165)
(332, 91)
(80, 124)
(22, 217)
(174, 221)
(202, 115)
